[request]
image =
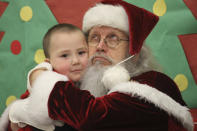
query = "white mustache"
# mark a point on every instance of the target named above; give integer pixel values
(100, 55)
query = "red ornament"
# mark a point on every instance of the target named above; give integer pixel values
(15, 47)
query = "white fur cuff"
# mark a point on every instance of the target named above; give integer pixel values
(159, 99)
(34, 109)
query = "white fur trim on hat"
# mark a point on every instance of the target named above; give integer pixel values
(106, 15)
(159, 99)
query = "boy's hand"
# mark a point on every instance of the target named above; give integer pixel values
(14, 126)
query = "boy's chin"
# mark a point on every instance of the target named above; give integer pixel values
(75, 78)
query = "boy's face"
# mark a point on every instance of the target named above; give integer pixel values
(69, 54)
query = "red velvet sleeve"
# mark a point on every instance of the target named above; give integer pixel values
(81, 110)
(68, 103)
(162, 83)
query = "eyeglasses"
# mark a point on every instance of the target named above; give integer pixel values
(112, 40)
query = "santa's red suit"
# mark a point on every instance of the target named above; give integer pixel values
(149, 102)
(153, 104)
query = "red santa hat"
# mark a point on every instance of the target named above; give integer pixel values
(136, 22)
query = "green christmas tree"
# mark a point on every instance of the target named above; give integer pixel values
(175, 19)
(24, 23)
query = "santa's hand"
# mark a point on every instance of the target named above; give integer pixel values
(34, 109)
(115, 75)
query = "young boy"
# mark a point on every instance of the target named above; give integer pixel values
(66, 51)
(66, 54)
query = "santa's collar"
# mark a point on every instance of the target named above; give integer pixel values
(159, 99)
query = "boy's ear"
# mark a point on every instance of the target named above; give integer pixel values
(47, 60)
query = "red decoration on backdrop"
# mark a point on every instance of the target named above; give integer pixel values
(3, 6)
(1, 35)
(70, 11)
(15, 47)
(190, 48)
(192, 5)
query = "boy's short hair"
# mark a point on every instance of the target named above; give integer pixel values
(64, 27)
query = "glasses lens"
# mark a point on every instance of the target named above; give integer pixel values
(112, 41)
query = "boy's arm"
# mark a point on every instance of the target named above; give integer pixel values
(14, 126)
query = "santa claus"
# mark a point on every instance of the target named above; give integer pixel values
(121, 90)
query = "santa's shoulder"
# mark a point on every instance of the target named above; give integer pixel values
(161, 82)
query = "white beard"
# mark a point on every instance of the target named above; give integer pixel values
(91, 80)
(146, 62)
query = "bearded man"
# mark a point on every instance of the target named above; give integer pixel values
(119, 94)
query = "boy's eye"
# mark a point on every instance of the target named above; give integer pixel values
(81, 52)
(64, 55)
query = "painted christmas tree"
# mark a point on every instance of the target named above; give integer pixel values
(23, 24)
